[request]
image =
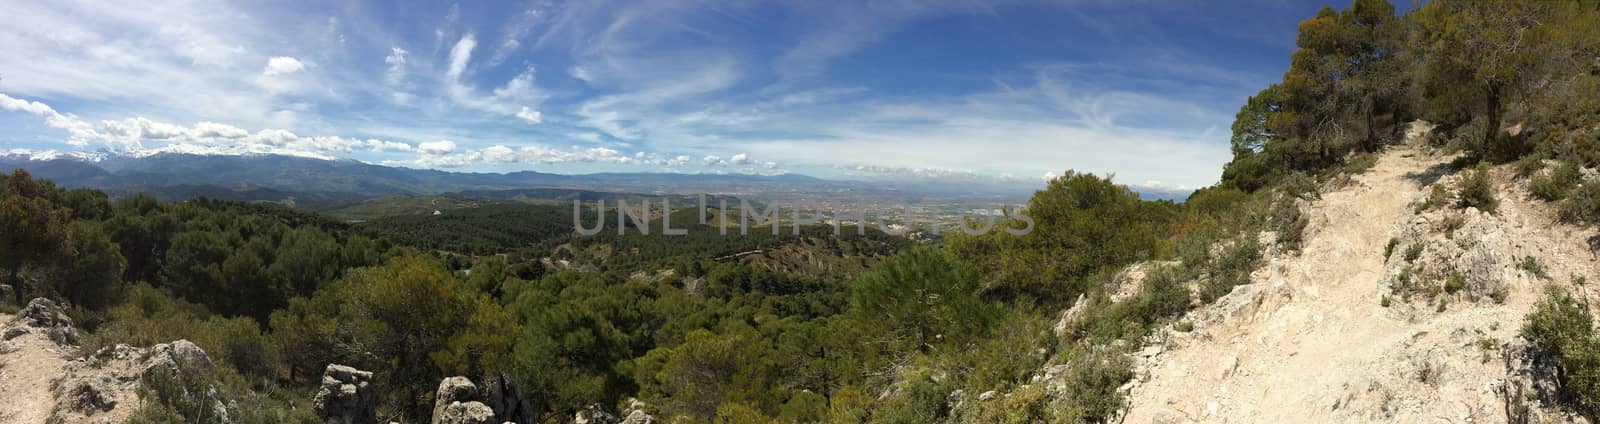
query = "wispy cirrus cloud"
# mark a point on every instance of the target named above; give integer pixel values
(874, 88)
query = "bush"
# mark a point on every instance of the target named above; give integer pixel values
(193, 393)
(1563, 328)
(1477, 189)
(1583, 204)
(1361, 163)
(1413, 252)
(1388, 249)
(1533, 266)
(1289, 223)
(1530, 164)
(1093, 376)
(1231, 268)
(1455, 283)
(1558, 182)
(1437, 196)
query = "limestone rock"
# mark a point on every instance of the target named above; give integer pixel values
(1071, 314)
(502, 395)
(104, 386)
(639, 417)
(595, 414)
(452, 390)
(43, 314)
(171, 355)
(346, 396)
(464, 413)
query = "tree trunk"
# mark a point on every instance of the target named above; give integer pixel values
(1492, 98)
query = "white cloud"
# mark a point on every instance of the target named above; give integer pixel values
(215, 130)
(379, 146)
(530, 115)
(460, 55)
(397, 65)
(282, 65)
(200, 46)
(440, 147)
(740, 159)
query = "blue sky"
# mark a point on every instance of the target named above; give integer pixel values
(842, 89)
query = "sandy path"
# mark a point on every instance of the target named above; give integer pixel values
(1324, 349)
(27, 365)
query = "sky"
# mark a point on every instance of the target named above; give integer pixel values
(1144, 90)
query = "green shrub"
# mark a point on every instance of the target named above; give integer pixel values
(1093, 376)
(1413, 252)
(1563, 328)
(1455, 283)
(192, 392)
(1289, 223)
(1560, 181)
(1451, 224)
(1361, 163)
(1533, 266)
(1583, 204)
(1531, 164)
(1388, 249)
(1231, 268)
(1477, 189)
(1437, 196)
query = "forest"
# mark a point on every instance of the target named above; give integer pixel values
(274, 295)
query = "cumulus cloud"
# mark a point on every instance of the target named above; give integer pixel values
(282, 65)
(128, 135)
(440, 147)
(530, 115)
(210, 129)
(79, 132)
(379, 146)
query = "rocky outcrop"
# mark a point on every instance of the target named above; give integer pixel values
(633, 414)
(1071, 315)
(453, 395)
(465, 413)
(104, 386)
(346, 396)
(502, 395)
(595, 414)
(44, 316)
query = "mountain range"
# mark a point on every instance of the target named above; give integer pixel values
(178, 176)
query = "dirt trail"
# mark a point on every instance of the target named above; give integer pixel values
(1311, 341)
(27, 365)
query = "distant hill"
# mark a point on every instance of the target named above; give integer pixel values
(319, 182)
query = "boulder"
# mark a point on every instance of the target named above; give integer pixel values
(639, 417)
(43, 314)
(179, 353)
(595, 414)
(635, 413)
(346, 396)
(464, 413)
(452, 390)
(1071, 314)
(104, 386)
(501, 394)
(91, 395)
